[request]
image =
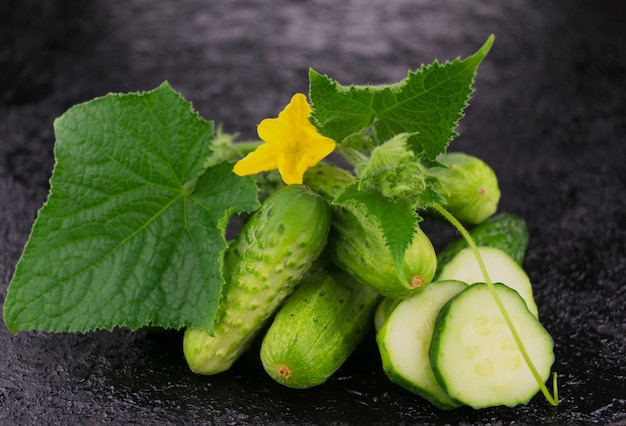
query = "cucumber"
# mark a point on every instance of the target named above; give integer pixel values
(500, 267)
(474, 356)
(404, 341)
(505, 231)
(385, 307)
(472, 187)
(264, 263)
(317, 328)
(357, 245)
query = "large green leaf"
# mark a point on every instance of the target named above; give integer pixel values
(427, 104)
(132, 233)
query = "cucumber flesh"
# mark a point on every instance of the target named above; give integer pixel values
(500, 267)
(384, 308)
(404, 340)
(474, 355)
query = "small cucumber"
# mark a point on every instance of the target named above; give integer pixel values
(264, 263)
(357, 245)
(472, 186)
(317, 328)
(474, 355)
(404, 341)
(505, 231)
(500, 266)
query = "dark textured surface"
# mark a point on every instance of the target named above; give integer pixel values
(549, 115)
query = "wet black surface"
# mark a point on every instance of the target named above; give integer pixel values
(549, 115)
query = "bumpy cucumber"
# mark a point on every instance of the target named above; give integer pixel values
(473, 190)
(274, 249)
(317, 328)
(505, 231)
(473, 353)
(404, 341)
(500, 266)
(357, 246)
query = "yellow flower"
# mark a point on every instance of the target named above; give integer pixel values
(292, 144)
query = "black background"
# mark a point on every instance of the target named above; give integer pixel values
(549, 115)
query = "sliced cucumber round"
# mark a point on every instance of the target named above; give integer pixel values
(500, 266)
(384, 308)
(404, 339)
(474, 355)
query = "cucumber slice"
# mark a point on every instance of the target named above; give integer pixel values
(383, 310)
(500, 266)
(473, 353)
(404, 340)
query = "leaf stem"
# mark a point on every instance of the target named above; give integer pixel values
(554, 400)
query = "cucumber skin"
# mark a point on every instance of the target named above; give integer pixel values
(357, 246)
(262, 266)
(505, 231)
(441, 324)
(317, 328)
(473, 191)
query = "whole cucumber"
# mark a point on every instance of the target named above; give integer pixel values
(357, 245)
(318, 326)
(262, 266)
(472, 187)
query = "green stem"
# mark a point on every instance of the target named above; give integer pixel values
(554, 400)
(355, 157)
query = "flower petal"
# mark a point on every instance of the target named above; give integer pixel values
(262, 159)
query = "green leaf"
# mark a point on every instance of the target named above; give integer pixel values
(132, 233)
(428, 103)
(396, 219)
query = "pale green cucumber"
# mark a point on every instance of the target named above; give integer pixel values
(472, 187)
(385, 307)
(274, 249)
(317, 328)
(404, 341)
(474, 355)
(500, 267)
(357, 245)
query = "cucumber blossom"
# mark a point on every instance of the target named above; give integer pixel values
(472, 187)
(317, 328)
(357, 245)
(264, 263)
